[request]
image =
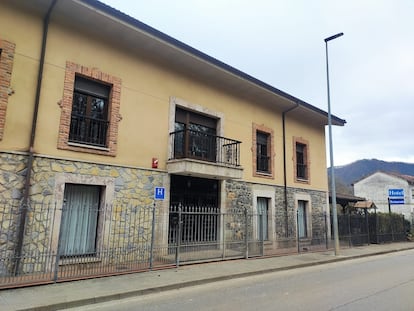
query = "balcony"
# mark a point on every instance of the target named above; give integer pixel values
(200, 154)
(88, 131)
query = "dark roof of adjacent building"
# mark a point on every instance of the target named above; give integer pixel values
(344, 199)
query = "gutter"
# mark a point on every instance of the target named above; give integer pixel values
(285, 201)
(24, 205)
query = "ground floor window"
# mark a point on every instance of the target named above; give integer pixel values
(79, 224)
(262, 218)
(302, 219)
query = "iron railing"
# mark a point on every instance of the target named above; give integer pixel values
(132, 238)
(205, 147)
(375, 228)
(86, 130)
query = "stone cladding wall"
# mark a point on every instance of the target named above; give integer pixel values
(128, 215)
(239, 197)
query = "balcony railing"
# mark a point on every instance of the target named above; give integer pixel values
(90, 131)
(205, 147)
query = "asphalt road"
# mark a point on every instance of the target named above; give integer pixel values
(374, 283)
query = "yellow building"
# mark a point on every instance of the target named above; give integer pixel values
(99, 110)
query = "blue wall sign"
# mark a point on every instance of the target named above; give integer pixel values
(159, 193)
(396, 201)
(396, 196)
(396, 193)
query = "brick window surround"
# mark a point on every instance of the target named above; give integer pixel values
(73, 70)
(305, 143)
(261, 128)
(6, 65)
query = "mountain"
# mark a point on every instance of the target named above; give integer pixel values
(350, 173)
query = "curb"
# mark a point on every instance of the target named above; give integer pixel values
(158, 289)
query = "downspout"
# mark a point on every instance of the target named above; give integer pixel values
(284, 167)
(26, 190)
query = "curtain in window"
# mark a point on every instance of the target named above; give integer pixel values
(262, 218)
(79, 220)
(302, 219)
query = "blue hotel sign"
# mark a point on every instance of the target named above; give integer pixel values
(159, 193)
(396, 196)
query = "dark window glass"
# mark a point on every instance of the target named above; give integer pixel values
(195, 136)
(302, 219)
(262, 152)
(89, 119)
(262, 218)
(301, 166)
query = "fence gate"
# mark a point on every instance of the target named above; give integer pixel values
(193, 225)
(194, 213)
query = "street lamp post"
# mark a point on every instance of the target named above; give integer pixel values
(332, 172)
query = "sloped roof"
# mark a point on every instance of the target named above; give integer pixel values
(344, 198)
(138, 36)
(365, 204)
(407, 178)
(215, 62)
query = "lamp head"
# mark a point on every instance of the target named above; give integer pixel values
(334, 37)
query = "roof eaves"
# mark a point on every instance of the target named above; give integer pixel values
(188, 49)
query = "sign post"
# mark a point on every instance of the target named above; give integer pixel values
(159, 195)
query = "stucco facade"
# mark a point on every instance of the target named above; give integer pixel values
(375, 187)
(150, 81)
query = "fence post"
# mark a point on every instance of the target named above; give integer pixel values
(152, 238)
(376, 225)
(367, 226)
(349, 231)
(297, 230)
(326, 230)
(223, 234)
(246, 240)
(56, 270)
(177, 253)
(262, 233)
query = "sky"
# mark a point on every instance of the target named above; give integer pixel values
(371, 67)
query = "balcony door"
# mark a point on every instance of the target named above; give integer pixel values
(195, 210)
(195, 136)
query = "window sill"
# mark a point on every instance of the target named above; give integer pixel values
(263, 174)
(87, 146)
(302, 181)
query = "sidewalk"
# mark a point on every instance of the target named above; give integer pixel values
(78, 293)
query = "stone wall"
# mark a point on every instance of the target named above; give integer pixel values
(128, 196)
(239, 198)
(12, 177)
(125, 223)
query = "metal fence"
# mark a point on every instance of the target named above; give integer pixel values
(360, 229)
(126, 239)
